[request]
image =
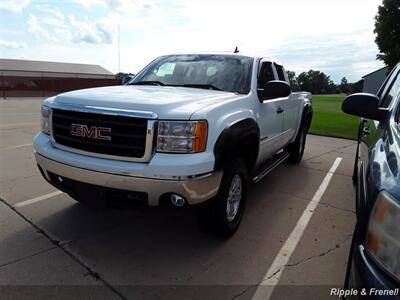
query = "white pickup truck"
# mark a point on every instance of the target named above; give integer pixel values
(190, 130)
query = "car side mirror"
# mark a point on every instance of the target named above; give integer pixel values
(126, 79)
(364, 105)
(274, 89)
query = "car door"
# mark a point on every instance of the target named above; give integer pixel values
(270, 116)
(378, 148)
(291, 107)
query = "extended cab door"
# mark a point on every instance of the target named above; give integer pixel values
(291, 106)
(270, 117)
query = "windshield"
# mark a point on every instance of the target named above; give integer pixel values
(229, 73)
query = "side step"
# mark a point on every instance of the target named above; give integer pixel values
(268, 166)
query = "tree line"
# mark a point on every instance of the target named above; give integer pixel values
(318, 82)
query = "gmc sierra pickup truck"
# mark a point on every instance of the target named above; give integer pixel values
(189, 130)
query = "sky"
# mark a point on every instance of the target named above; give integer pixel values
(335, 37)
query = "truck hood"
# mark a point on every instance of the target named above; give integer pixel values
(167, 102)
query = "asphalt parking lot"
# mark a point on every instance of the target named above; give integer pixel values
(55, 246)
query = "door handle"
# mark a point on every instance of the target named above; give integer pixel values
(366, 130)
(280, 110)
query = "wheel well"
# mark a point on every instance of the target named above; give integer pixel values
(247, 149)
(240, 139)
(308, 113)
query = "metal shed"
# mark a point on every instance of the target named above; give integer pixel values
(374, 80)
(44, 78)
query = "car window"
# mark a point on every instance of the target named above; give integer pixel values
(392, 92)
(231, 73)
(397, 116)
(266, 73)
(281, 73)
(165, 69)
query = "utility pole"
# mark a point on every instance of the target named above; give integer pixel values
(119, 51)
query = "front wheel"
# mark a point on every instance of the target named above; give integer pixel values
(225, 212)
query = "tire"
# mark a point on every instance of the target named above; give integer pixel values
(354, 177)
(222, 217)
(296, 149)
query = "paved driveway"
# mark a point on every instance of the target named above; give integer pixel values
(55, 246)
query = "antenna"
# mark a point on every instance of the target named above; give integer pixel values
(236, 50)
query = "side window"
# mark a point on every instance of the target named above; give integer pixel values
(266, 73)
(392, 92)
(281, 72)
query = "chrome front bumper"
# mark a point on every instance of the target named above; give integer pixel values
(195, 189)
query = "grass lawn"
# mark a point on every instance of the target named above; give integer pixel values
(329, 120)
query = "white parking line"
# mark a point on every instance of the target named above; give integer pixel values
(16, 147)
(37, 199)
(271, 278)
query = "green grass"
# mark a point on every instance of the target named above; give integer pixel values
(329, 120)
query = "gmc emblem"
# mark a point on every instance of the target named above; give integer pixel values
(92, 132)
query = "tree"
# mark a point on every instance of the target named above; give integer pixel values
(316, 82)
(293, 81)
(356, 87)
(387, 29)
(344, 86)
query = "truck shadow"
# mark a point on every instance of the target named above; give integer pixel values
(150, 254)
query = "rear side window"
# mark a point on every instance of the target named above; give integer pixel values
(266, 73)
(281, 73)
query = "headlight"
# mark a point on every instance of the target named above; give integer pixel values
(46, 119)
(182, 136)
(383, 237)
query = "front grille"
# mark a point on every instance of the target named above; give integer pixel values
(127, 135)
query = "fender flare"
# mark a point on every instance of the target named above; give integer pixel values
(230, 137)
(307, 115)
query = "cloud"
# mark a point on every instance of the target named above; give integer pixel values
(89, 3)
(127, 7)
(98, 32)
(11, 44)
(53, 21)
(60, 34)
(15, 6)
(52, 11)
(302, 34)
(351, 55)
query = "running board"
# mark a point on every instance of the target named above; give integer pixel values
(268, 166)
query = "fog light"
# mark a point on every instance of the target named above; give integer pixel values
(177, 200)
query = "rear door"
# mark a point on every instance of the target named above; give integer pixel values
(270, 118)
(291, 106)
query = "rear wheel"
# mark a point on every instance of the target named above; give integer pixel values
(223, 215)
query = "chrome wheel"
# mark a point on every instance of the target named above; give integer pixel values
(234, 197)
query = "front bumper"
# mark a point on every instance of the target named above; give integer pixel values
(162, 175)
(366, 274)
(195, 190)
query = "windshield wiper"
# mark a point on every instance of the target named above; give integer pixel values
(200, 86)
(147, 82)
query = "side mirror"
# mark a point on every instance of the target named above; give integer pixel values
(126, 79)
(364, 105)
(274, 89)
